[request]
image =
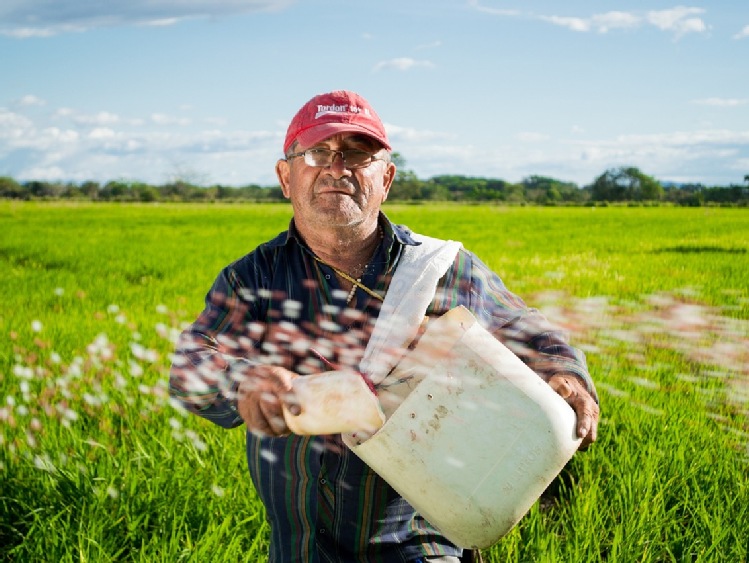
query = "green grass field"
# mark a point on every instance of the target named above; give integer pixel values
(97, 465)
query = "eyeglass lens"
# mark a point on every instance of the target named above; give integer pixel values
(352, 158)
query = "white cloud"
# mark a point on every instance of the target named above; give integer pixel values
(574, 24)
(722, 102)
(164, 22)
(603, 23)
(710, 156)
(43, 18)
(101, 118)
(30, 100)
(600, 23)
(493, 11)
(48, 147)
(67, 145)
(678, 20)
(402, 64)
(101, 133)
(13, 125)
(743, 33)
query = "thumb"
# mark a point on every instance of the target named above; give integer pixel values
(559, 384)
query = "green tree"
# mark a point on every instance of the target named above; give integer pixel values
(406, 185)
(9, 188)
(91, 189)
(626, 184)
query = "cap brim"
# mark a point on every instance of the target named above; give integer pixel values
(319, 133)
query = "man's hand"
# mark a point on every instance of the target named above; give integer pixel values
(261, 395)
(572, 390)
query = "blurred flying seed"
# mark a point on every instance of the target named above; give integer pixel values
(339, 294)
(23, 372)
(136, 370)
(331, 309)
(268, 456)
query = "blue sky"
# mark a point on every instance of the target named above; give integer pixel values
(203, 90)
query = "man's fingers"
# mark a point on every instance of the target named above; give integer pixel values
(272, 415)
(586, 409)
(561, 386)
(261, 396)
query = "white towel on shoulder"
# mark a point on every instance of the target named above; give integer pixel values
(410, 293)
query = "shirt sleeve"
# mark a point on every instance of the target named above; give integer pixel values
(524, 330)
(209, 361)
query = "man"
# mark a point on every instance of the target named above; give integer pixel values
(308, 300)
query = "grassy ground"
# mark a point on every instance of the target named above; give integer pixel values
(97, 465)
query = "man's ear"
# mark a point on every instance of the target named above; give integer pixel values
(387, 179)
(283, 171)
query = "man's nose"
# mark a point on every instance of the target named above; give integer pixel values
(338, 166)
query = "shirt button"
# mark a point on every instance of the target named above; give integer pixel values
(323, 481)
(322, 531)
(327, 276)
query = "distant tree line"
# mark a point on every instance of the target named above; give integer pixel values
(616, 185)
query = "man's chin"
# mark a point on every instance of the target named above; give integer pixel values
(340, 215)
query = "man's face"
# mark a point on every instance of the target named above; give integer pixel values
(335, 196)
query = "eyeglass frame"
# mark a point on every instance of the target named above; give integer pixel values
(372, 157)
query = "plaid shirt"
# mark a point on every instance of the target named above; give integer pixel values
(274, 305)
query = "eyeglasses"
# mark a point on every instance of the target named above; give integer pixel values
(352, 158)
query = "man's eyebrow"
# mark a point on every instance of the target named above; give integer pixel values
(361, 139)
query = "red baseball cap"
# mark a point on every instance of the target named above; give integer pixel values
(336, 112)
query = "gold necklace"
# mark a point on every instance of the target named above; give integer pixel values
(356, 282)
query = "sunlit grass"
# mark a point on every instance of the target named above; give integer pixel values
(98, 465)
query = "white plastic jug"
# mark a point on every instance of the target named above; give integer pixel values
(472, 437)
